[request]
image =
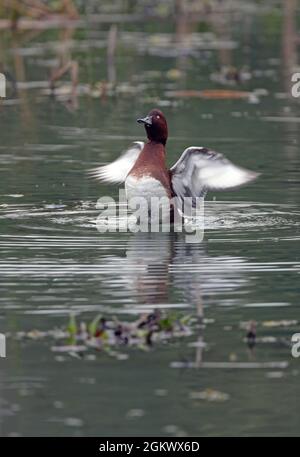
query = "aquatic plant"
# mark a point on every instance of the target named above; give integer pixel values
(107, 335)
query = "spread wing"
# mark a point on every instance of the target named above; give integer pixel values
(117, 171)
(200, 169)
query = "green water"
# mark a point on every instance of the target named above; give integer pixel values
(54, 261)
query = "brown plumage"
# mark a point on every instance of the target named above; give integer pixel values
(152, 162)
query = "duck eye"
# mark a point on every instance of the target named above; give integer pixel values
(157, 117)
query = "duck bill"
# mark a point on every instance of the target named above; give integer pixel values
(145, 120)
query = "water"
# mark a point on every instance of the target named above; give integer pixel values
(55, 262)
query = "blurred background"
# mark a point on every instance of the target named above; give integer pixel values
(189, 340)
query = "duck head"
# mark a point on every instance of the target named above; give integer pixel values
(156, 126)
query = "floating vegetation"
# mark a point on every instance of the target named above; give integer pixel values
(245, 325)
(105, 335)
(230, 75)
(251, 338)
(215, 94)
(282, 364)
(209, 395)
(280, 323)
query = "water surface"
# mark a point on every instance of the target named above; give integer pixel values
(54, 261)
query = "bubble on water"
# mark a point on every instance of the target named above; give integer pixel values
(135, 413)
(161, 392)
(58, 404)
(172, 429)
(275, 375)
(73, 422)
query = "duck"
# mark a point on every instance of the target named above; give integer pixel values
(142, 167)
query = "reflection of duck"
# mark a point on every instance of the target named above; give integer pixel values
(148, 256)
(144, 171)
(159, 266)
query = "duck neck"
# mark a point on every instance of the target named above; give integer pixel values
(156, 150)
(152, 161)
(156, 142)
